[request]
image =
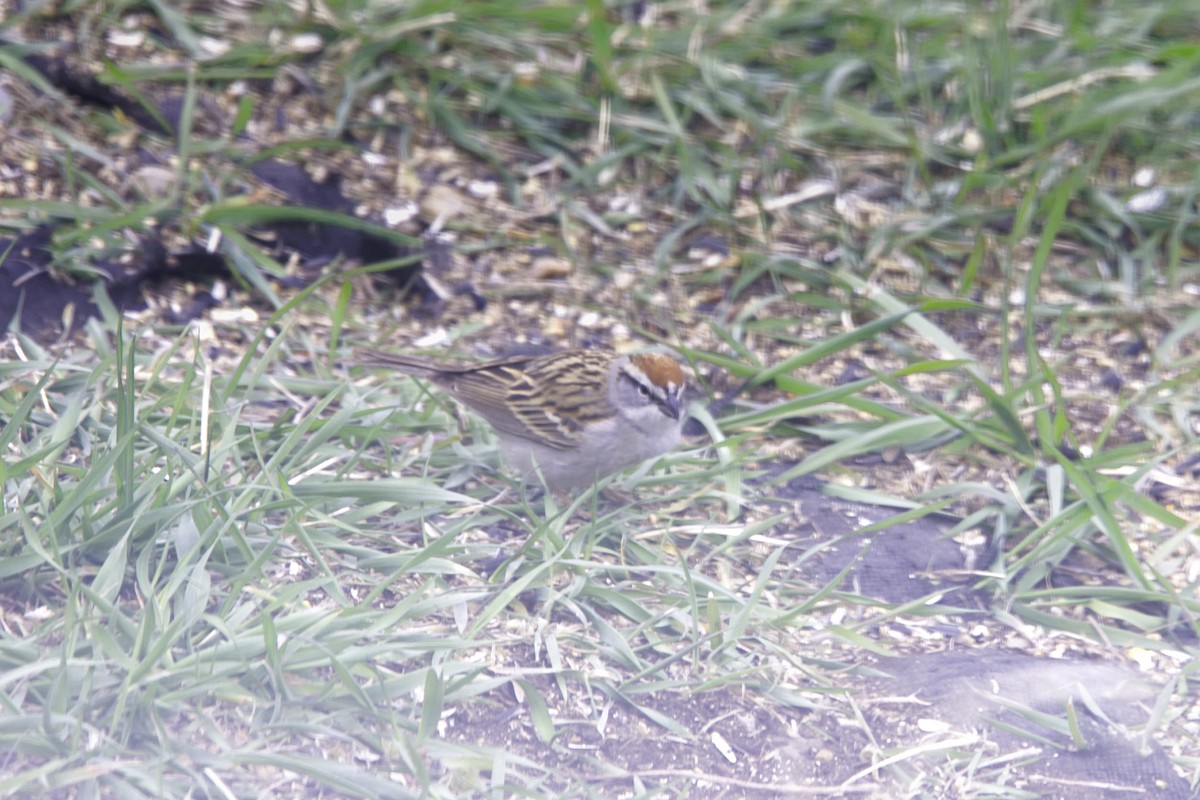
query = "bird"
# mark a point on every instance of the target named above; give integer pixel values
(575, 416)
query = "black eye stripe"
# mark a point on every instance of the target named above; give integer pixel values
(659, 397)
(641, 388)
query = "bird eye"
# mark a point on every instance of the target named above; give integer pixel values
(643, 390)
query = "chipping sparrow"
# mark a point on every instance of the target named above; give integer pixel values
(577, 415)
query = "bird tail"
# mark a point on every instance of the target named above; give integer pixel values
(409, 365)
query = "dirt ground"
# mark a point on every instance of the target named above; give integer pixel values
(959, 681)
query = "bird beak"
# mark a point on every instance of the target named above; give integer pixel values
(672, 405)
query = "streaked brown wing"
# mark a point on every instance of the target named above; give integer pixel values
(504, 394)
(513, 394)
